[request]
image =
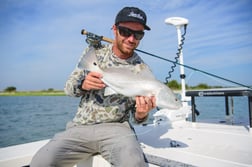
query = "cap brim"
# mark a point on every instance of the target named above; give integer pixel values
(147, 27)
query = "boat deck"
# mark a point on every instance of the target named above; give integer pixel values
(200, 144)
(188, 143)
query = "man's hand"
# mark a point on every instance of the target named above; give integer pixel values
(143, 106)
(93, 81)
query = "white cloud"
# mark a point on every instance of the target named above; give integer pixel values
(35, 33)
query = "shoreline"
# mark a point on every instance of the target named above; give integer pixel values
(33, 93)
(45, 93)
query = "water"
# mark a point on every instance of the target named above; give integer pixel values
(212, 110)
(30, 118)
(26, 118)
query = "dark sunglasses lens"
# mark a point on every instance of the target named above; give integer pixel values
(123, 31)
(138, 36)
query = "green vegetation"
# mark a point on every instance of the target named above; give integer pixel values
(10, 91)
(176, 86)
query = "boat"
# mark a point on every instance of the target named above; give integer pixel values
(174, 137)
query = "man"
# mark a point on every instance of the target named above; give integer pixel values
(101, 125)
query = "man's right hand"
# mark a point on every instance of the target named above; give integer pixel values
(93, 81)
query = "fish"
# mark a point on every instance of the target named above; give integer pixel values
(132, 81)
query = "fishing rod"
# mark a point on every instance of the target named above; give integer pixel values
(95, 40)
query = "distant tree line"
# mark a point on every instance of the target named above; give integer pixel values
(14, 89)
(10, 89)
(172, 84)
(175, 85)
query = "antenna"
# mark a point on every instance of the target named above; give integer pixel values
(178, 22)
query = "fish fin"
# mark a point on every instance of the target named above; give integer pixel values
(108, 91)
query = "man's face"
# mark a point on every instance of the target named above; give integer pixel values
(127, 38)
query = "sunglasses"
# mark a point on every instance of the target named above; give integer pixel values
(126, 32)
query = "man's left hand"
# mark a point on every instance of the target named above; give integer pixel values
(144, 105)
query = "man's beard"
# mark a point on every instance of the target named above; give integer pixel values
(125, 51)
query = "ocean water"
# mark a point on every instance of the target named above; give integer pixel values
(31, 118)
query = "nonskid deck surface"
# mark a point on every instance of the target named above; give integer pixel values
(199, 144)
(163, 162)
(180, 144)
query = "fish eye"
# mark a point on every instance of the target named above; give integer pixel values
(95, 63)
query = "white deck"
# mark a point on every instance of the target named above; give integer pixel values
(199, 144)
(19, 155)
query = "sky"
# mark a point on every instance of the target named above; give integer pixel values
(41, 41)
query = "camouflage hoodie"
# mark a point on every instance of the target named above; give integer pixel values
(94, 107)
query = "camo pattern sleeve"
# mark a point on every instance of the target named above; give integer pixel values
(74, 82)
(94, 106)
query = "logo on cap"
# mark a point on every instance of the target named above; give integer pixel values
(136, 15)
(132, 14)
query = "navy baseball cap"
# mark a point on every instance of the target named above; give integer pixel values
(132, 14)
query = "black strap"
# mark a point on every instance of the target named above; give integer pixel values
(126, 115)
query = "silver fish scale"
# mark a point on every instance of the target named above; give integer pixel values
(94, 107)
